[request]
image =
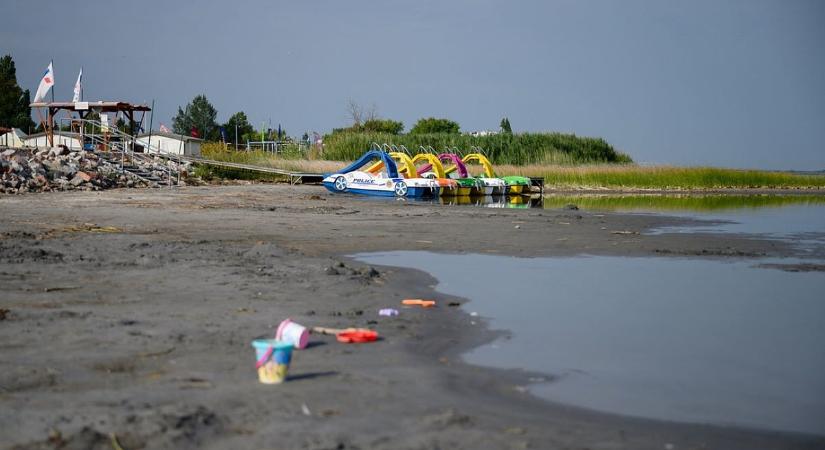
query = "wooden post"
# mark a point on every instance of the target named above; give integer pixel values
(50, 126)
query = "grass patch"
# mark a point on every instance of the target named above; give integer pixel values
(209, 173)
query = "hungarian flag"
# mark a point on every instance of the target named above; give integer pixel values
(78, 86)
(46, 83)
(194, 132)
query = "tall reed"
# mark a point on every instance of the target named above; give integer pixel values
(522, 148)
(631, 176)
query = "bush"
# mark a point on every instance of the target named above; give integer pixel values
(382, 126)
(431, 125)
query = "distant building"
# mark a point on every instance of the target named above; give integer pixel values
(12, 138)
(70, 140)
(482, 133)
(170, 143)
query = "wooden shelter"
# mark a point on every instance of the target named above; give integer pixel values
(83, 109)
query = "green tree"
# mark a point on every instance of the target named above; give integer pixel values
(198, 114)
(15, 111)
(240, 120)
(433, 125)
(123, 126)
(383, 126)
(505, 126)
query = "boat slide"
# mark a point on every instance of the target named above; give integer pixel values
(447, 187)
(488, 183)
(387, 182)
(467, 185)
(514, 184)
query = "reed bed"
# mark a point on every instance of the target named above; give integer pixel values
(631, 176)
(563, 175)
(522, 148)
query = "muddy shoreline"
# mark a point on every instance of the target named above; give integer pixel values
(129, 312)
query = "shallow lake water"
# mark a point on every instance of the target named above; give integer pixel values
(798, 218)
(666, 338)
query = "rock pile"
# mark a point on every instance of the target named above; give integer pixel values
(61, 169)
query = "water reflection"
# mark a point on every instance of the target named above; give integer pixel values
(676, 202)
(492, 201)
(637, 202)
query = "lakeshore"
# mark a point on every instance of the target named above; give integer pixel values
(129, 313)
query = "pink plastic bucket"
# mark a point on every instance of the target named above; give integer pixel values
(289, 331)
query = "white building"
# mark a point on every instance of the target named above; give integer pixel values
(482, 133)
(171, 143)
(13, 138)
(70, 140)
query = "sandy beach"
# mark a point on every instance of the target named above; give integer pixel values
(127, 315)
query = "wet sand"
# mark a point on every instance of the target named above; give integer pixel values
(130, 312)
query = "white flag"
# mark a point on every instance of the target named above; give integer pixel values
(45, 84)
(77, 87)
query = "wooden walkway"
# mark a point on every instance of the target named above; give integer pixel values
(293, 177)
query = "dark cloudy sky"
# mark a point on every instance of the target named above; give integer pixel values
(737, 83)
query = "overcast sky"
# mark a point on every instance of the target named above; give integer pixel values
(737, 83)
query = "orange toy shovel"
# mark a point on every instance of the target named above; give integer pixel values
(418, 302)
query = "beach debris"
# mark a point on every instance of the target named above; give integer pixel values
(571, 207)
(292, 332)
(195, 383)
(4, 313)
(60, 288)
(305, 409)
(91, 228)
(447, 419)
(115, 443)
(156, 353)
(388, 312)
(624, 232)
(418, 302)
(453, 304)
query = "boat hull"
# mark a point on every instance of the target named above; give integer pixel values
(412, 192)
(365, 184)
